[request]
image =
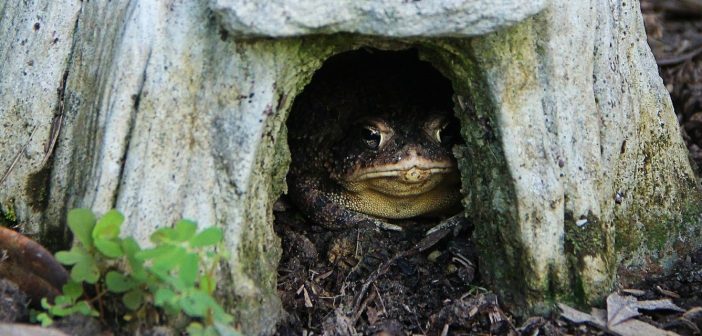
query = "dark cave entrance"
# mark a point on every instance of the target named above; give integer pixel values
(373, 132)
(368, 111)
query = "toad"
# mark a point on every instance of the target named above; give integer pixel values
(373, 147)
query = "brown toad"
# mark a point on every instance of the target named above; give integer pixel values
(372, 146)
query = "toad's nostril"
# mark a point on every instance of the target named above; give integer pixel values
(415, 175)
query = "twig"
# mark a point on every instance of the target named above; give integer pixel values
(54, 134)
(380, 297)
(681, 58)
(382, 269)
(363, 307)
(17, 157)
(423, 245)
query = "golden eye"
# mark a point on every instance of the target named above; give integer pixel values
(371, 137)
(443, 131)
(438, 133)
(447, 133)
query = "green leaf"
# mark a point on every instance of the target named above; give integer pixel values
(109, 225)
(208, 284)
(130, 246)
(207, 237)
(72, 290)
(189, 269)
(172, 281)
(162, 235)
(84, 308)
(81, 223)
(76, 254)
(45, 319)
(110, 248)
(168, 261)
(184, 230)
(118, 283)
(45, 303)
(155, 252)
(85, 270)
(211, 331)
(133, 299)
(195, 329)
(63, 300)
(131, 249)
(163, 296)
(196, 303)
(63, 310)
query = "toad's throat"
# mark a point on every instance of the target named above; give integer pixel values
(392, 197)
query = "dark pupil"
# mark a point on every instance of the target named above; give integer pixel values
(448, 134)
(370, 137)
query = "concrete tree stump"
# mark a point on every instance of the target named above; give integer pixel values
(573, 169)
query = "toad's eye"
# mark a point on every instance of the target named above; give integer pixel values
(371, 137)
(446, 134)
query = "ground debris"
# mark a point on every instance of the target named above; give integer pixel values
(472, 315)
(371, 281)
(674, 32)
(619, 317)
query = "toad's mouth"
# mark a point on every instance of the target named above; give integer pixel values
(414, 170)
(403, 179)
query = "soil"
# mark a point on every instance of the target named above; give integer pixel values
(370, 282)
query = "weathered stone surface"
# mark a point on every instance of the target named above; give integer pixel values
(16, 329)
(35, 45)
(452, 18)
(167, 115)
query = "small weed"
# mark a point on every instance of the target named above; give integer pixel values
(176, 275)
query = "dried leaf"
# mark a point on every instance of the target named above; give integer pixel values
(373, 315)
(635, 327)
(634, 292)
(308, 301)
(663, 304)
(600, 315)
(575, 315)
(682, 322)
(668, 293)
(620, 308)
(693, 313)
(629, 327)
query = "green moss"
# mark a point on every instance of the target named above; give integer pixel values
(37, 188)
(587, 239)
(8, 217)
(486, 183)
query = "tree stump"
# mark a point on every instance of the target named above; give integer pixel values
(573, 169)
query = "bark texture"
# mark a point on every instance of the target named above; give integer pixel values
(574, 167)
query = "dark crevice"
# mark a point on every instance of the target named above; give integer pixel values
(136, 98)
(56, 237)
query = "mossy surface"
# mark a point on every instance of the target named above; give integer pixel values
(8, 217)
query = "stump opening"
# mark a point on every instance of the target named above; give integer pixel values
(364, 113)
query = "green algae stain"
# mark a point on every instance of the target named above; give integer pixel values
(37, 188)
(8, 217)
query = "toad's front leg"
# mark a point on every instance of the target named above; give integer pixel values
(324, 207)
